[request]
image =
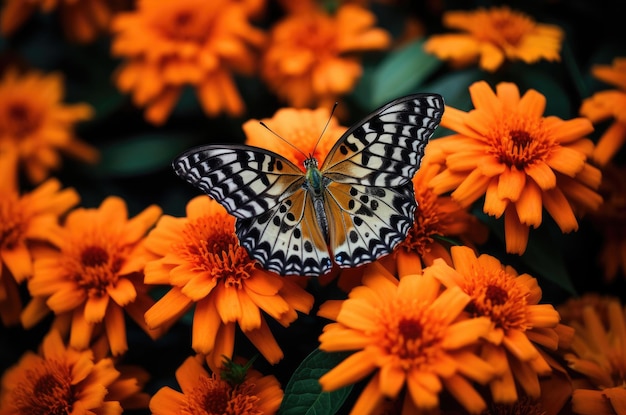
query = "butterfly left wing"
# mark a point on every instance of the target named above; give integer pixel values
(367, 221)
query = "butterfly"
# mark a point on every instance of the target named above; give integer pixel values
(355, 208)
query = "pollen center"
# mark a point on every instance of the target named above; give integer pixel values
(12, 221)
(46, 390)
(518, 141)
(19, 120)
(215, 396)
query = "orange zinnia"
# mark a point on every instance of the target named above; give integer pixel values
(521, 161)
(494, 36)
(608, 104)
(310, 60)
(63, 380)
(170, 44)
(82, 20)
(409, 332)
(25, 218)
(205, 393)
(511, 302)
(35, 124)
(95, 274)
(200, 257)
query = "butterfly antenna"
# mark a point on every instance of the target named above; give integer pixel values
(286, 141)
(326, 126)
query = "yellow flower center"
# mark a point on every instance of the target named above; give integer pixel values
(12, 221)
(519, 141)
(496, 294)
(410, 331)
(215, 396)
(19, 119)
(507, 28)
(210, 245)
(46, 389)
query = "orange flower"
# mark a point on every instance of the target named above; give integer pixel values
(94, 275)
(63, 380)
(200, 257)
(408, 332)
(300, 130)
(34, 124)
(306, 62)
(494, 36)
(521, 161)
(597, 352)
(168, 45)
(511, 302)
(23, 219)
(82, 20)
(608, 104)
(204, 393)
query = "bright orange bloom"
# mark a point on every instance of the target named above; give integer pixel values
(597, 352)
(168, 45)
(608, 104)
(205, 393)
(521, 161)
(493, 36)
(94, 275)
(310, 60)
(200, 257)
(62, 380)
(82, 20)
(408, 333)
(23, 219)
(520, 323)
(35, 124)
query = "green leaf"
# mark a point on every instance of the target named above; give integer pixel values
(303, 394)
(141, 154)
(402, 72)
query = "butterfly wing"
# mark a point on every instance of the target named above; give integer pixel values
(371, 200)
(276, 220)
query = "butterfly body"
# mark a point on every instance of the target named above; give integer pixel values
(358, 205)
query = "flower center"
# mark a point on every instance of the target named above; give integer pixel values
(210, 245)
(19, 120)
(187, 25)
(45, 390)
(519, 141)
(12, 221)
(427, 222)
(511, 28)
(317, 34)
(215, 396)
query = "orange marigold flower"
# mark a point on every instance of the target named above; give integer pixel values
(521, 161)
(205, 393)
(23, 219)
(597, 353)
(608, 104)
(310, 60)
(95, 274)
(493, 36)
(200, 257)
(409, 332)
(82, 20)
(170, 44)
(511, 302)
(62, 380)
(35, 124)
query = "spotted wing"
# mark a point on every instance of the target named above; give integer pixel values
(247, 181)
(386, 148)
(367, 221)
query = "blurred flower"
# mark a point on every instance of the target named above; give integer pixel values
(169, 45)
(95, 274)
(608, 104)
(81, 20)
(23, 219)
(311, 57)
(206, 393)
(200, 257)
(511, 302)
(521, 161)
(408, 332)
(35, 124)
(597, 353)
(300, 130)
(62, 380)
(493, 36)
